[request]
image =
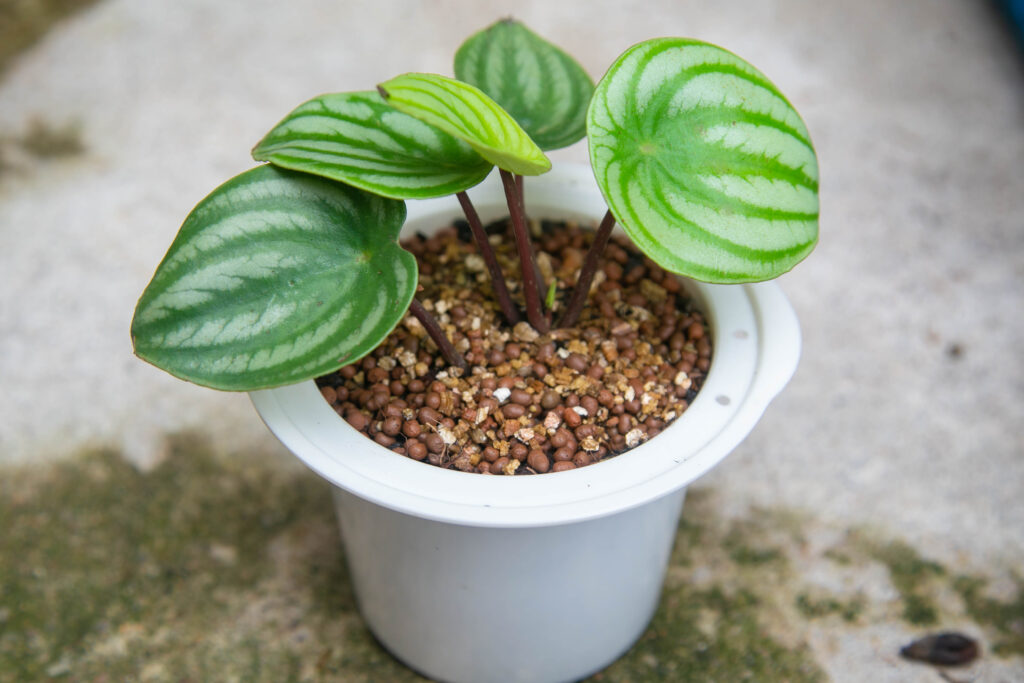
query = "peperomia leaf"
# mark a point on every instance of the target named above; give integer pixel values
(358, 139)
(704, 163)
(467, 113)
(274, 278)
(542, 87)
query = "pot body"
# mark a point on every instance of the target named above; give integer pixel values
(507, 605)
(470, 578)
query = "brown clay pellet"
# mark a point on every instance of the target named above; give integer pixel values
(538, 461)
(329, 394)
(560, 438)
(562, 454)
(572, 419)
(513, 410)
(549, 399)
(521, 396)
(434, 442)
(357, 419)
(429, 416)
(416, 450)
(562, 466)
(392, 426)
(585, 430)
(576, 362)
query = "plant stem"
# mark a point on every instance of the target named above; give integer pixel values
(521, 184)
(587, 272)
(497, 279)
(451, 355)
(528, 266)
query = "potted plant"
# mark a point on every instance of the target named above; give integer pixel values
(293, 270)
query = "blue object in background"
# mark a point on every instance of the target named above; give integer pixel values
(1014, 12)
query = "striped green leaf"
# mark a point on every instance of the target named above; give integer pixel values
(274, 278)
(704, 163)
(544, 89)
(467, 113)
(358, 139)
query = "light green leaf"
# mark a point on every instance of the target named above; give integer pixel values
(465, 112)
(274, 278)
(360, 140)
(705, 164)
(544, 89)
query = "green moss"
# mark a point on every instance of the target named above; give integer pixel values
(817, 607)
(712, 635)
(1005, 618)
(758, 540)
(96, 552)
(23, 22)
(45, 140)
(227, 568)
(911, 575)
(746, 555)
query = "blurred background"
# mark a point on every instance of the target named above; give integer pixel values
(880, 499)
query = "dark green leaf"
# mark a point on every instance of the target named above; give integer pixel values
(274, 278)
(541, 86)
(704, 163)
(360, 140)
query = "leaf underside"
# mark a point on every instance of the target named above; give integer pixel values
(708, 168)
(465, 112)
(544, 89)
(275, 278)
(360, 140)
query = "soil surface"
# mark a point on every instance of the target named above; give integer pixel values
(529, 403)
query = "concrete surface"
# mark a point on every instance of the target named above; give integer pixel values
(903, 419)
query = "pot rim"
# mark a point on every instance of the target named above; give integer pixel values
(756, 346)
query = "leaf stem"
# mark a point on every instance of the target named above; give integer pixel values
(527, 263)
(451, 355)
(487, 253)
(587, 272)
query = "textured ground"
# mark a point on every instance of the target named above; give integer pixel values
(879, 499)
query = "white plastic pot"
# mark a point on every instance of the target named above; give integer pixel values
(469, 578)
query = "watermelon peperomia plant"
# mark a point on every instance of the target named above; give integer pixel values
(292, 269)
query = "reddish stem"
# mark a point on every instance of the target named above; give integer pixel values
(528, 266)
(587, 272)
(487, 253)
(451, 355)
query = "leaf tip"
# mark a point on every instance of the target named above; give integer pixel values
(383, 93)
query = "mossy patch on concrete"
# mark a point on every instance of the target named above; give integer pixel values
(218, 568)
(815, 606)
(211, 567)
(910, 573)
(45, 140)
(713, 634)
(23, 22)
(1004, 617)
